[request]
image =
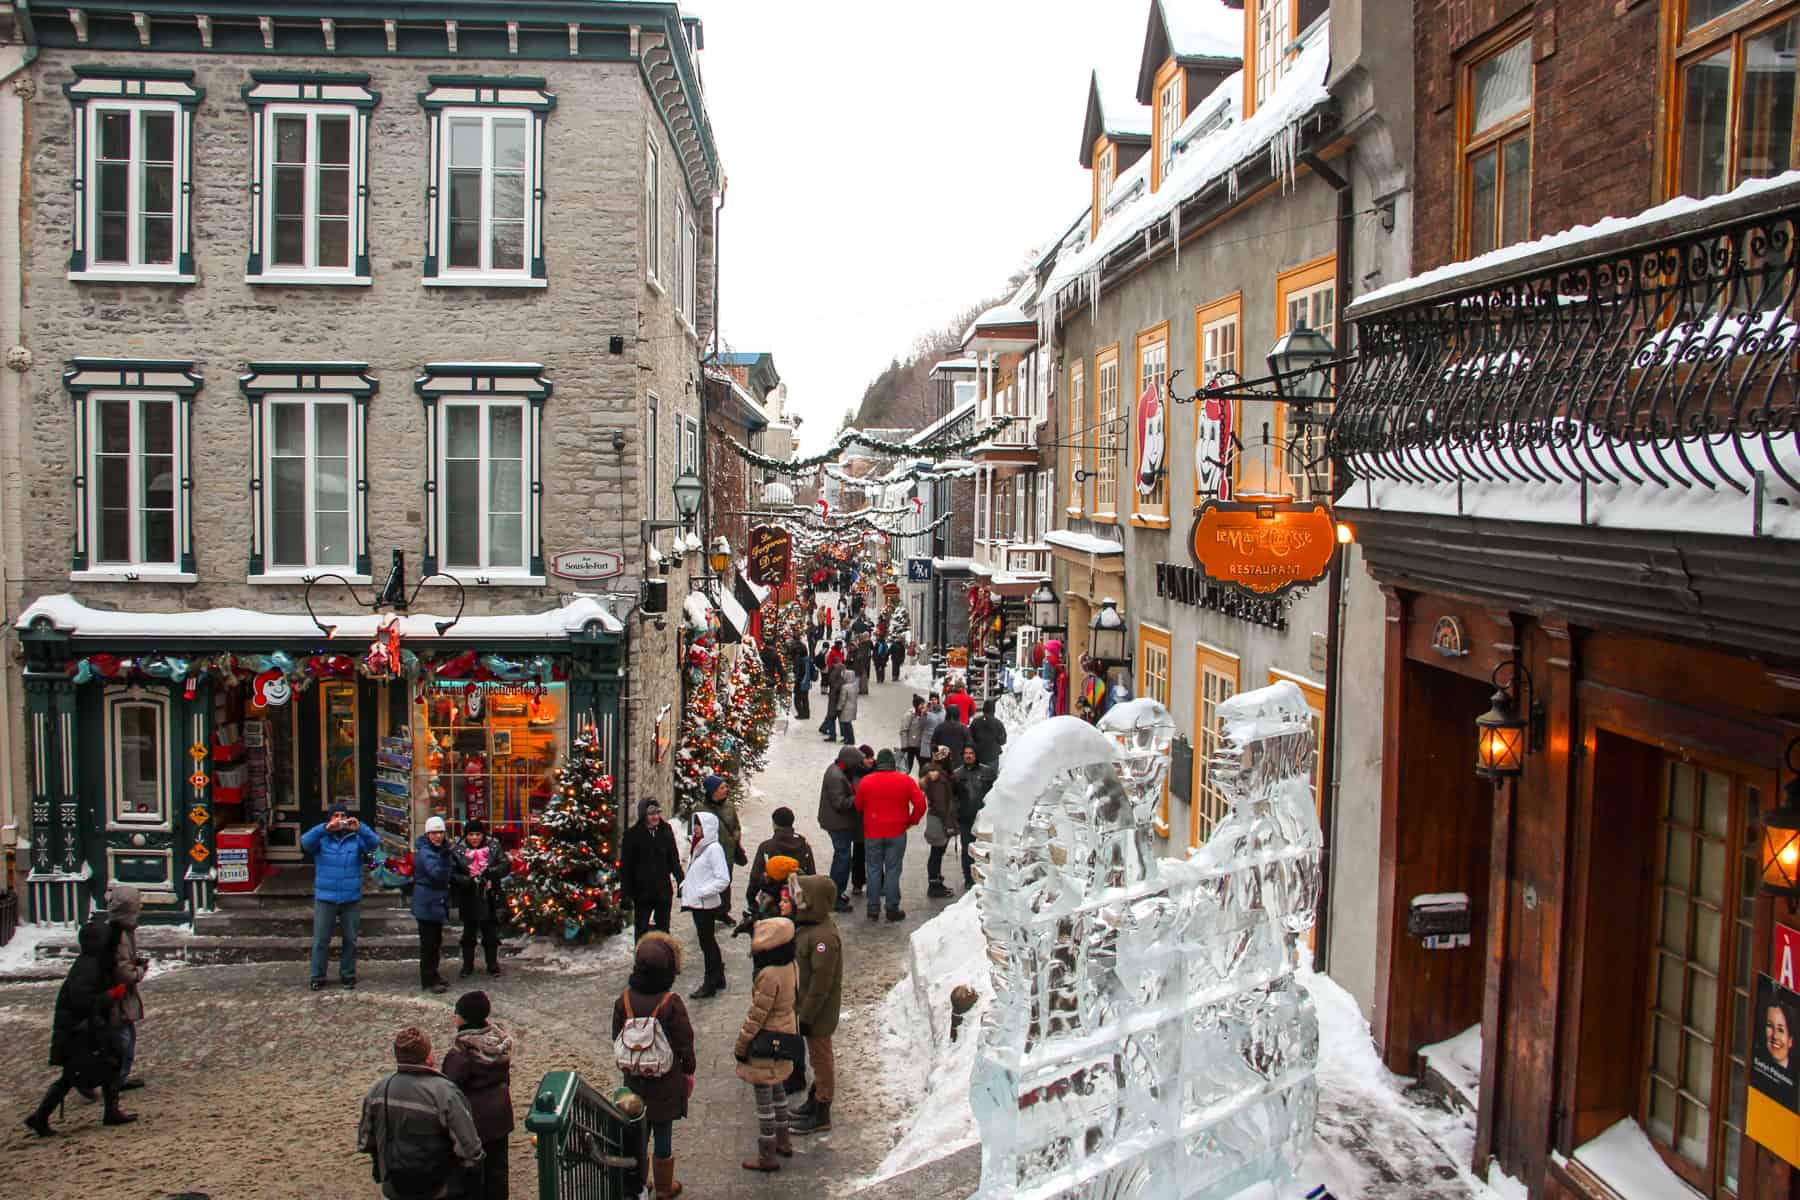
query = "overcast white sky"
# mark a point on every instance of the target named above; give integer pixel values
(890, 163)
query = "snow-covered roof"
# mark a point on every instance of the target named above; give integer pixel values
(1082, 543)
(776, 494)
(1203, 29)
(69, 615)
(946, 421)
(964, 363)
(1556, 248)
(1211, 159)
(1120, 112)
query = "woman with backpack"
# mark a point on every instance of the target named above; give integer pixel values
(653, 1043)
(769, 1039)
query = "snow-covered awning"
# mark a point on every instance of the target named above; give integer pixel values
(64, 613)
(1082, 543)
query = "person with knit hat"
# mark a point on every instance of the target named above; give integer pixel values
(434, 874)
(715, 792)
(337, 848)
(784, 842)
(417, 1127)
(763, 1066)
(650, 992)
(480, 877)
(648, 862)
(480, 1063)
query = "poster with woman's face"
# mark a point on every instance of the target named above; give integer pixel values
(1775, 1070)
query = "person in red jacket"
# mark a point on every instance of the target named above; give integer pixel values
(957, 697)
(890, 803)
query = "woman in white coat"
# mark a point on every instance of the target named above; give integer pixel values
(703, 894)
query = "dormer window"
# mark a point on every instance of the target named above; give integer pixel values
(1105, 175)
(1170, 110)
(1271, 32)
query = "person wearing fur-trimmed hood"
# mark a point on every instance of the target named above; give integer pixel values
(771, 1012)
(480, 1063)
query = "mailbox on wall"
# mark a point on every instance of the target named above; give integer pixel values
(1440, 920)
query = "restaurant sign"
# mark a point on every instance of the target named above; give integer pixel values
(771, 549)
(1266, 548)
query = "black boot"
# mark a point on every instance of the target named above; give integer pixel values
(803, 1110)
(816, 1121)
(114, 1114)
(707, 990)
(493, 962)
(468, 967)
(39, 1121)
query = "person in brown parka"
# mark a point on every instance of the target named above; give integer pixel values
(652, 983)
(771, 1011)
(819, 955)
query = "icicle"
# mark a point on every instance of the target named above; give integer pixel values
(1175, 232)
(1284, 156)
(1231, 185)
(1093, 286)
(1147, 231)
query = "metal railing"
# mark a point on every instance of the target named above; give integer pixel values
(589, 1146)
(1666, 356)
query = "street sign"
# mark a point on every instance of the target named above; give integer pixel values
(587, 564)
(918, 570)
(1263, 547)
(771, 554)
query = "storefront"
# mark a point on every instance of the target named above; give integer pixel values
(150, 733)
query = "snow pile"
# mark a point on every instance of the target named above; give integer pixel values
(1626, 1161)
(916, 1049)
(611, 957)
(1458, 1061)
(917, 676)
(19, 956)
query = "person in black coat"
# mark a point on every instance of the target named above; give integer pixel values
(480, 898)
(647, 861)
(952, 733)
(480, 1064)
(987, 735)
(83, 1040)
(801, 664)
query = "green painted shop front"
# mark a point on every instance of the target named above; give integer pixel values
(133, 772)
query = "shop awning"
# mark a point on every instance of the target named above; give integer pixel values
(65, 614)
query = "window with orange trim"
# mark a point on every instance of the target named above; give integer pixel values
(1307, 294)
(1106, 164)
(1150, 427)
(1106, 434)
(1155, 658)
(1215, 681)
(1077, 434)
(1495, 106)
(1171, 91)
(1217, 332)
(1733, 115)
(1269, 34)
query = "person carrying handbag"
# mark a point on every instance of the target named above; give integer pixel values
(766, 1047)
(83, 1039)
(484, 866)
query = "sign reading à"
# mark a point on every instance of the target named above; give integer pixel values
(586, 564)
(771, 552)
(918, 570)
(1266, 548)
(1772, 1116)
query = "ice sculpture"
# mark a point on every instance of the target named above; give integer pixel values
(1148, 1038)
(1025, 708)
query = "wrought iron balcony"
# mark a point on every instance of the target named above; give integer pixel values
(1654, 352)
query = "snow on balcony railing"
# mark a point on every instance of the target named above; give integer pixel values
(1657, 354)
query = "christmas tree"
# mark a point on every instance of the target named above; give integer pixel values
(570, 884)
(703, 732)
(750, 713)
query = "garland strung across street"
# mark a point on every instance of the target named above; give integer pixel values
(937, 451)
(920, 474)
(839, 525)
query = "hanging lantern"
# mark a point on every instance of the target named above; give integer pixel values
(1501, 733)
(1781, 839)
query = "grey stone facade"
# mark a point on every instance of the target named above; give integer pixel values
(593, 495)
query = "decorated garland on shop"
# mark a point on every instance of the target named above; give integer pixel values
(297, 673)
(937, 451)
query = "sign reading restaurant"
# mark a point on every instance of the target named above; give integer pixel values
(1265, 547)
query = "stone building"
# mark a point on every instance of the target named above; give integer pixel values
(325, 308)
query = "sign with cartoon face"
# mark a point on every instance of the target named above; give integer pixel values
(272, 690)
(1150, 441)
(1213, 449)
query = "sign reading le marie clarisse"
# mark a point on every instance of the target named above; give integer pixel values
(1265, 548)
(771, 550)
(586, 564)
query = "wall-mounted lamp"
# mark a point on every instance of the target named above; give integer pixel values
(688, 490)
(1503, 736)
(719, 557)
(1106, 635)
(1781, 839)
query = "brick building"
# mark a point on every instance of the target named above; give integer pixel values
(307, 293)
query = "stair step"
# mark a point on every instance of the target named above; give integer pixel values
(240, 949)
(294, 920)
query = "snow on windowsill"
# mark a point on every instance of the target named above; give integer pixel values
(308, 279)
(302, 578)
(1623, 1159)
(1082, 543)
(485, 281)
(132, 575)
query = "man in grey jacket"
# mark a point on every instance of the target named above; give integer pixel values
(928, 727)
(844, 693)
(838, 816)
(417, 1127)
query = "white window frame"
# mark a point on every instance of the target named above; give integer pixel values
(355, 268)
(312, 401)
(1168, 119)
(1109, 175)
(690, 445)
(1077, 436)
(652, 467)
(1273, 36)
(487, 405)
(162, 819)
(487, 272)
(135, 268)
(690, 268)
(1106, 477)
(652, 214)
(136, 563)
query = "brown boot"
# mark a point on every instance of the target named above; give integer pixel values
(662, 1171)
(784, 1142)
(765, 1159)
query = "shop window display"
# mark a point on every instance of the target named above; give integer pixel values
(488, 750)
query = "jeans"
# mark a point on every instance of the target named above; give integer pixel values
(802, 703)
(431, 948)
(859, 863)
(968, 863)
(842, 840)
(127, 1050)
(846, 732)
(934, 864)
(347, 919)
(829, 728)
(704, 919)
(662, 1139)
(651, 914)
(884, 872)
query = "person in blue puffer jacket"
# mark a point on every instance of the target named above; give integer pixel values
(434, 868)
(337, 849)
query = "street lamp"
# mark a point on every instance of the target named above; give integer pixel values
(1046, 612)
(1502, 734)
(1781, 839)
(720, 557)
(1106, 634)
(688, 491)
(1296, 361)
